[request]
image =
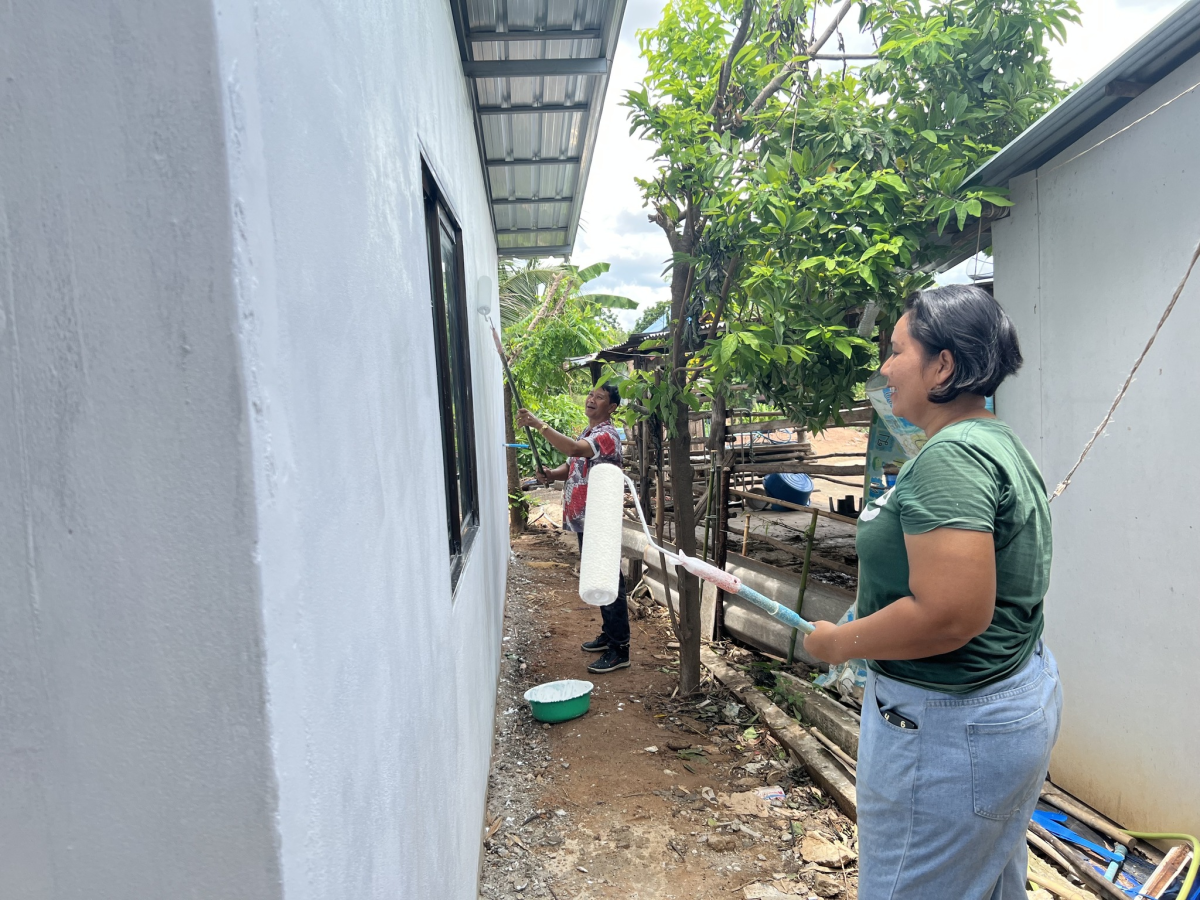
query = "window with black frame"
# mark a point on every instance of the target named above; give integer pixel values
(451, 339)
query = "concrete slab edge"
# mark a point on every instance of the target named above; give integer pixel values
(820, 710)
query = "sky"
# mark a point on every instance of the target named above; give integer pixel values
(613, 225)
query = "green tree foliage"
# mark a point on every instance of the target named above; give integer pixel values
(793, 194)
(524, 287)
(547, 317)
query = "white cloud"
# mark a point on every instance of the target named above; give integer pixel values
(613, 225)
(1107, 29)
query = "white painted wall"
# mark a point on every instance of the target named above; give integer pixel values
(134, 750)
(232, 665)
(382, 686)
(1086, 264)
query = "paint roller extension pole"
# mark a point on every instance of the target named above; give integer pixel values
(782, 613)
(602, 501)
(726, 581)
(512, 383)
(731, 584)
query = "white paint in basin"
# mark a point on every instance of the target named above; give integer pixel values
(558, 691)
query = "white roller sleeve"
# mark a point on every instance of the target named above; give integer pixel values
(600, 565)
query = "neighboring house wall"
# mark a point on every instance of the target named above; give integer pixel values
(1091, 255)
(230, 661)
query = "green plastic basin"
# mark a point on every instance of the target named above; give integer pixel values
(558, 701)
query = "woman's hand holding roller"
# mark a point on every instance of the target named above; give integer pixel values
(825, 643)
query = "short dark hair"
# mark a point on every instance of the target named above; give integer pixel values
(968, 322)
(614, 393)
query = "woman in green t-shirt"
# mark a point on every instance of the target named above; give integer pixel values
(962, 703)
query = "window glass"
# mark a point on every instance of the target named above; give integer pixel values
(457, 341)
(452, 350)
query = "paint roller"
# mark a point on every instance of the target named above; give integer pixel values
(599, 566)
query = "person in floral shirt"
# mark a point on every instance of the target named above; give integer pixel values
(599, 443)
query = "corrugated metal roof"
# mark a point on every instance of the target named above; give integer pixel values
(539, 70)
(630, 348)
(1168, 45)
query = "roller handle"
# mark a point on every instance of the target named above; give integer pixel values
(733, 585)
(782, 613)
(726, 581)
(516, 392)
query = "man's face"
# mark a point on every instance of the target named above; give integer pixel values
(597, 405)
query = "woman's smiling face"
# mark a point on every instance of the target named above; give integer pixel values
(912, 375)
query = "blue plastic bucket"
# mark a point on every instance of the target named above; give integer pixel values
(794, 487)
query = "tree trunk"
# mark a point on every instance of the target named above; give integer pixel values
(681, 483)
(516, 511)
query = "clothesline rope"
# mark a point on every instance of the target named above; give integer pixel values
(1129, 378)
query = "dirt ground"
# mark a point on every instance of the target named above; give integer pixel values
(646, 796)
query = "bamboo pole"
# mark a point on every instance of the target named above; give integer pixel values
(1042, 875)
(809, 535)
(721, 487)
(1045, 849)
(824, 769)
(842, 756)
(1080, 870)
(799, 465)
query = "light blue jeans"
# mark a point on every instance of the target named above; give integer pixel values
(943, 808)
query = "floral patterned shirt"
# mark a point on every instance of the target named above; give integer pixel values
(606, 448)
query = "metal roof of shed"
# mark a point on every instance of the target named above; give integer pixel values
(1172, 42)
(539, 71)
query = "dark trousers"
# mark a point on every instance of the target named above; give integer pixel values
(615, 616)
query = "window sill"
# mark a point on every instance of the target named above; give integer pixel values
(458, 563)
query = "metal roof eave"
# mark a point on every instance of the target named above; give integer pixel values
(1164, 48)
(579, 62)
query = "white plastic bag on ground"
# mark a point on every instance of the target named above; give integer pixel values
(850, 678)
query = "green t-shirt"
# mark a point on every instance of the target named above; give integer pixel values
(976, 475)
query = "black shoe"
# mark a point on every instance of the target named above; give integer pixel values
(597, 645)
(615, 658)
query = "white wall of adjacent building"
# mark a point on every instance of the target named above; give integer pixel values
(231, 662)
(1085, 265)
